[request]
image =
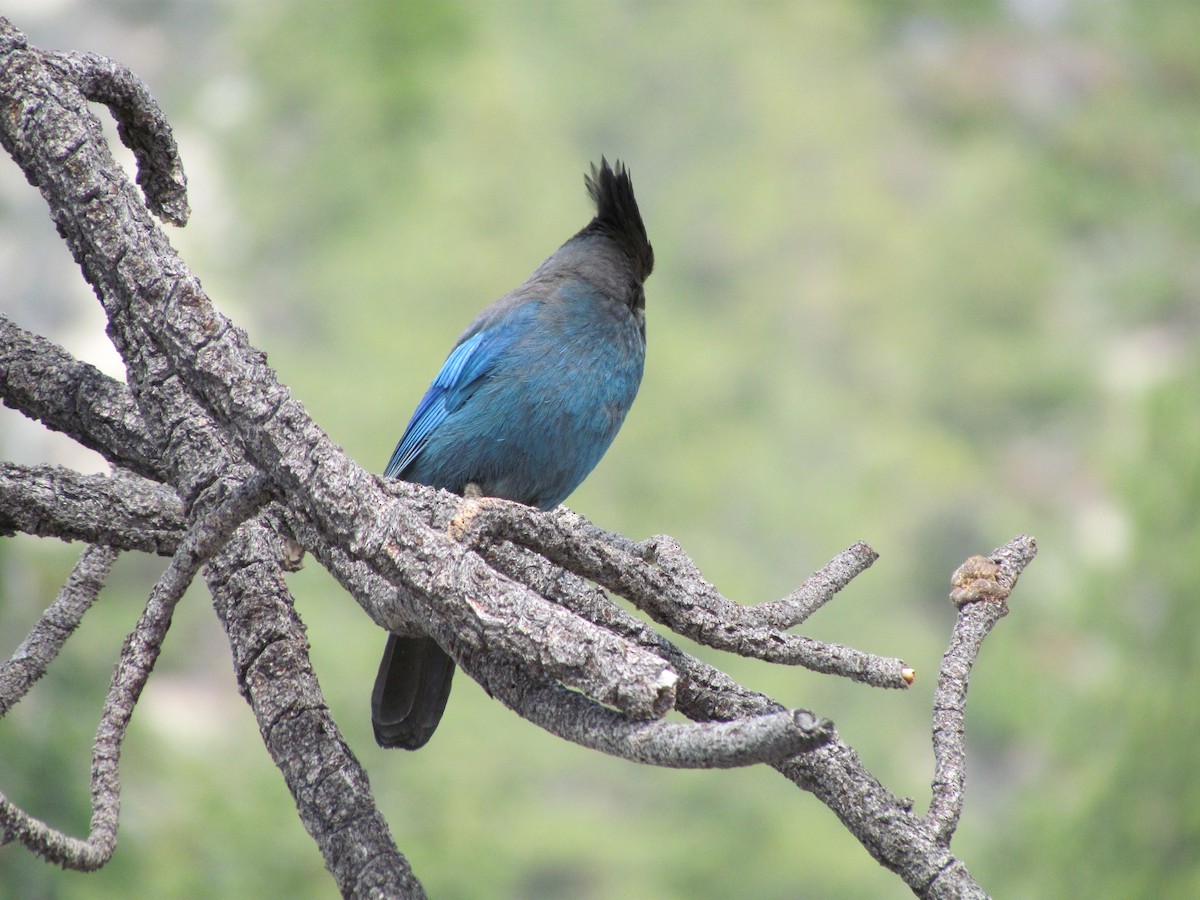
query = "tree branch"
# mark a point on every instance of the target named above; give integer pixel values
(275, 675)
(980, 590)
(659, 578)
(141, 126)
(204, 414)
(45, 382)
(138, 656)
(885, 824)
(28, 663)
(51, 133)
(118, 510)
(501, 621)
(709, 745)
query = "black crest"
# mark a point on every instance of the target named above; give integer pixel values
(617, 214)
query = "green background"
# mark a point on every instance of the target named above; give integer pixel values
(926, 276)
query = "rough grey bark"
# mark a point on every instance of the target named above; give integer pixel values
(121, 511)
(154, 427)
(220, 468)
(57, 623)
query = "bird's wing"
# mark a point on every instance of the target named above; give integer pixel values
(461, 373)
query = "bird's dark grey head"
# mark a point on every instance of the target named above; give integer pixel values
(617, 215)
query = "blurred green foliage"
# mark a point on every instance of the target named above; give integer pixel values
(926, 276)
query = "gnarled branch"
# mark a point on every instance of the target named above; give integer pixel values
(28, 663)
(513, 594)
(138, 656)
(118, 510)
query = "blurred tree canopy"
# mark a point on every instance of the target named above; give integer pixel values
(927, 276)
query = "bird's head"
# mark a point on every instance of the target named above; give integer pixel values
(617, 215)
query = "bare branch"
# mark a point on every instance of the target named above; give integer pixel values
(980, 589)
(119, 510)
(138, 656)
(275, 675)
(51, 133)
(819, 588)
(141, 125)
(664, 582)
(210, 413)
(28, 663)
(710, 745)
(136, 274)
(45, 382)
(573, 717)
(705, 693)
(502, 620)
(885, 824)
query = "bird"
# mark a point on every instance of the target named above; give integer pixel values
(525, 405)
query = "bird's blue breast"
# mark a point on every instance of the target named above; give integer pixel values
(529, 399)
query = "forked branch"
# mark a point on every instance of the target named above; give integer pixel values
(516, 596)
(138, 655)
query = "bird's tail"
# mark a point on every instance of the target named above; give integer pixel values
(410, 693)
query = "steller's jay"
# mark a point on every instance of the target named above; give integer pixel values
(523, 408)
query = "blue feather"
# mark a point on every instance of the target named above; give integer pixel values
(460, 375)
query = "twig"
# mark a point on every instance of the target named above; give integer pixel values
(980, 589)
(138, 655)
(28, 663)
(819, 588)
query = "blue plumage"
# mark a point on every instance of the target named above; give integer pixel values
(525, 405)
